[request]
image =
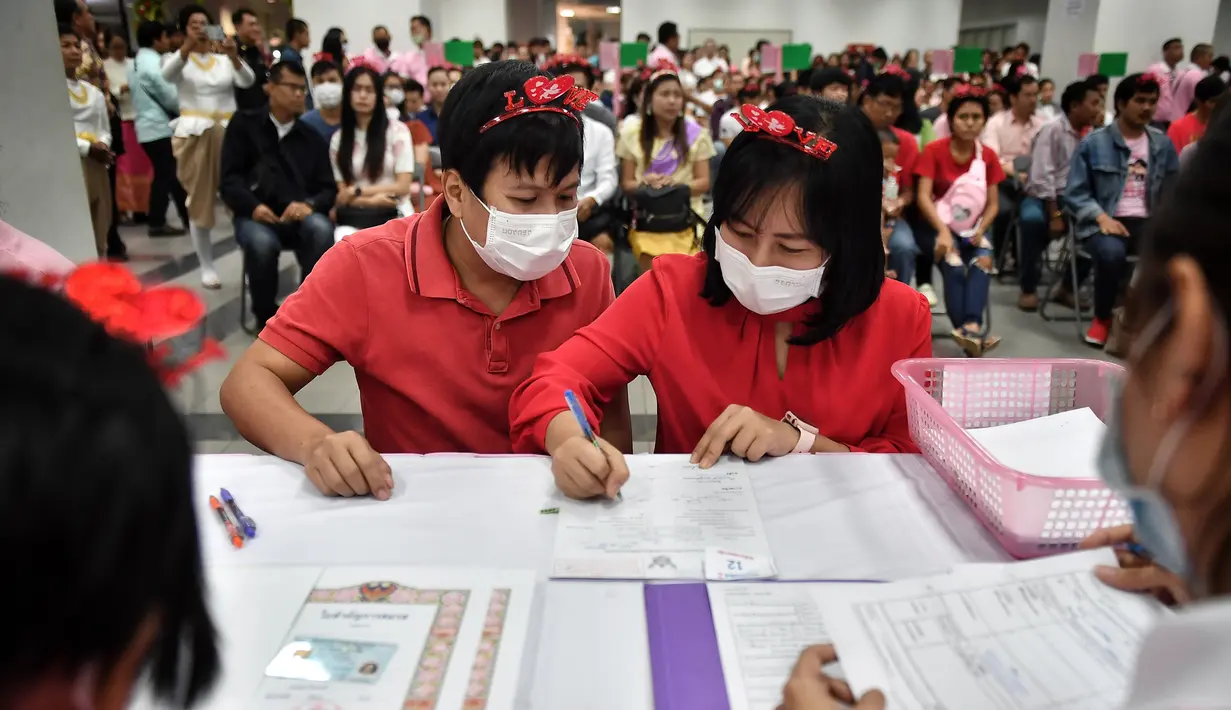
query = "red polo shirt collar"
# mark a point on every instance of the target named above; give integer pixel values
(432, 274)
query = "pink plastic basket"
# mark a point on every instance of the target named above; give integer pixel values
(1030, 515)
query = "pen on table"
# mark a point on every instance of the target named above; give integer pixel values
(236, 539)
(575, 407)
(248, 525)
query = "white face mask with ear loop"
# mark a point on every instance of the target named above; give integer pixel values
(765, 290)
(525, 246)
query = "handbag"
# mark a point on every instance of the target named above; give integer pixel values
(365, 217)
(662, 209)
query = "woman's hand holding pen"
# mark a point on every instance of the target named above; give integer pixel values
(1136, 572)
(581, 469)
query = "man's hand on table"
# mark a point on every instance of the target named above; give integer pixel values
(809, 688)
(344, 464)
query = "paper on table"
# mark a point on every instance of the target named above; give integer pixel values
(761, 629)
(1038, 634)
(1063, 445)
(457, 639)
(662, 527)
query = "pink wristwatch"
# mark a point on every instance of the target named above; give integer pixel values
(807, 434)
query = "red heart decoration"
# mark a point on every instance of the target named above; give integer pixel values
(775, 123)
(113, 296)
(541, 90)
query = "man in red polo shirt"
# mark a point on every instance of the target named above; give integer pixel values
(441, 314)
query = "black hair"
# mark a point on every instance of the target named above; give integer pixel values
(751, 90)
(322, 67)
(422, 19)
(1209, 88)
(411, 86)
(384, 79)
(1075, 95)
(378, 28)
(1045, 81)
(643, 37)
(1132, 85)
(174, 29)
(66, 12)
(237, 17)
(887, 136)
(63, 28)
(575, 68)
(1013, 85)
(332, 45)
(784, 89)
(187, 13)
(279, 69)
(1198, 50)
(435, 69)
(1221, 63)
(879, 53)
(1173, 40)
(949, 82)
(374, 161)
(649, 126)
(827, 76)
(293, 27)
(1191, 220)
(523, 142)
(885, 85)
(668, 31)
(958, 101)
(149, 32)
(1024, 47)
(839, 206)
(96, 484)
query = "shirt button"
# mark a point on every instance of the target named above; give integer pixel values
(497, 326)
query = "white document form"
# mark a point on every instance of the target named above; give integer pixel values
(1063, 445)
(1035, 635)
(389, 638)
(761, 629)
(670, 513)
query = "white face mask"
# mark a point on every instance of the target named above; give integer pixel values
(765, 289)
(525, 246)
(396, 96)
(328, 95)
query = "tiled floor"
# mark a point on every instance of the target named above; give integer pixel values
(334, 397)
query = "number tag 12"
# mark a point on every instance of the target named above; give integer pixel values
(725, 565)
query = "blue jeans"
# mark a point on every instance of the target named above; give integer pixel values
(966, 285)
(1034, 236)
(263, 244)
(1110, 254)
(902, 251)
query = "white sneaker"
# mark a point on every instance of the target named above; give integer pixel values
(929, 294)
(210, 280)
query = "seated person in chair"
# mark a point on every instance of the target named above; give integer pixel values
(598, 219)
(661, 150)
(1116, 179)
(443, 313)
(1010, 134)
(277, 180)
(1041, 217)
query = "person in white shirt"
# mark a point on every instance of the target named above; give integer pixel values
(205, 73)
(708, 61)
(372, 156)
(668, 49)
(1164, 453)
(597, 218)
(93, 128)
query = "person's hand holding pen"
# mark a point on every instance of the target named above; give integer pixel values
(1137, 572)
(583, 465)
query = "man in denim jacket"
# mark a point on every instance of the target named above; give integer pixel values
(1116, 178)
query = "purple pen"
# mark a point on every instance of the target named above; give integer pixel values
(246, 523)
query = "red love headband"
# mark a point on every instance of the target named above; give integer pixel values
(895, 70)
(543, 93)
(779, 127)
(963, 90)
(165, 318)
(1149, 77)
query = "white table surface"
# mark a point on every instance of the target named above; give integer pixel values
(856, 516)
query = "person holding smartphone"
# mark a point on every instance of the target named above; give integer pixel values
(205, 69)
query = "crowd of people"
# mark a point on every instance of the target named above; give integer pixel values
(779, 222)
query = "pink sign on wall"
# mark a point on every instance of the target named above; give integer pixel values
(433, 54)
(942, 61)
(1087, 64)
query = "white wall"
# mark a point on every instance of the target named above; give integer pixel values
(828, 25)
(42, 191)
(1069, 32)
(1222, 29)
(358, 17)
(1140, 27)
(1030, 17)
(468, 19)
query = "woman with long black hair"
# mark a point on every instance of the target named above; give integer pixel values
(373, 157)
(334, 44)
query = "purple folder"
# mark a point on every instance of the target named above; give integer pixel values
(684, 659)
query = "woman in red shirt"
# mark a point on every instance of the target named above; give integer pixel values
(958, 198)
(777, 338)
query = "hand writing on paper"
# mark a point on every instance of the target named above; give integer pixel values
(582, 471)
(750, 434)
(1135, 573)
(809, 688)
(344, 464)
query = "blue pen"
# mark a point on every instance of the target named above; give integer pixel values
(1136, 549)
(246, 523)
(575, 407)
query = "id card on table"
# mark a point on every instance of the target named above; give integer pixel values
(331, 660)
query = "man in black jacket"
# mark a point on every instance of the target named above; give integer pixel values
(277, 179)
(248, 36)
